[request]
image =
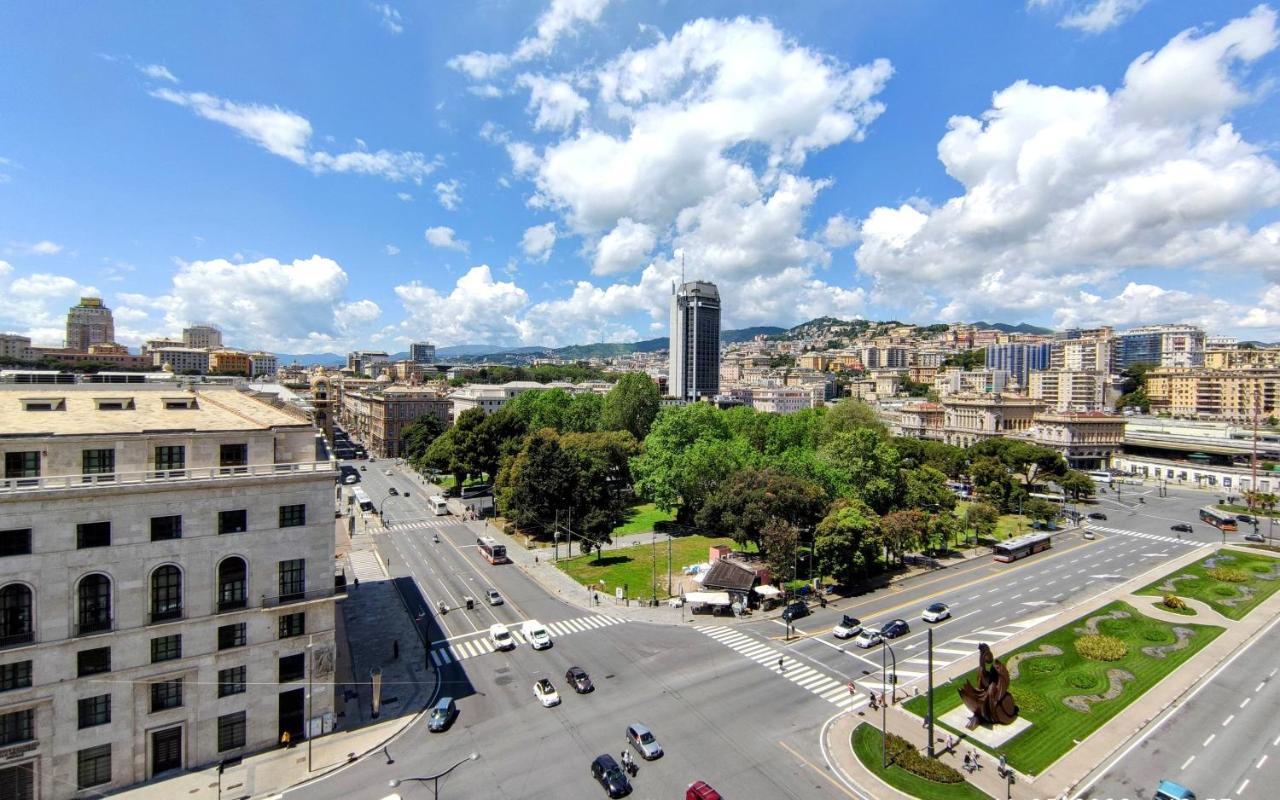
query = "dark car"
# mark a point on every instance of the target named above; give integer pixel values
(605, 770)
(578, 678)
(1246, 519)
(895, 628)
(393, 490)
(442, 715)
(794, 612)
(1098, 515)
(1181, 527)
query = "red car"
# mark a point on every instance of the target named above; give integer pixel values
(699, 790)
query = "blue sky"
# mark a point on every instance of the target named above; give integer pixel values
(319, 177)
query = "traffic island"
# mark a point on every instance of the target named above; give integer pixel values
(909, 771)
(1232, 582)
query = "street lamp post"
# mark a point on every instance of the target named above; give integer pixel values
(434, 779)
(311, 662)
(884, 705)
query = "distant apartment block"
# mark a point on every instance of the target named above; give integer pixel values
(1070, 390)
(89, 323)
(363, 361)
(378, 416)
(1019, 360)
(422, 353)
(982, 381)
(181, 359)
(202, 336)
(1233, 358)
(262, 364)
(1161, 346)
(230, 362)
(1232, 395)
(15, 348)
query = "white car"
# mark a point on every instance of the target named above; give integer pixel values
(868, 638)
(847, 627)
(936, 613)
(500, 637)
(1088, 534)
(493, 597)
(387, 472)
(536, 634)
(546, 693)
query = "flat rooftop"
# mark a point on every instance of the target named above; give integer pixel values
(87, 409)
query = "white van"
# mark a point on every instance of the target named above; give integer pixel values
(537, 635)
(439, 506)
(500, 637)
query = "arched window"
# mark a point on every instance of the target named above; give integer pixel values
(166, 593)
(94, 593)
(232, 583)
(15, 614)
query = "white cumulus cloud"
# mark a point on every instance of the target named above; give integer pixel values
(624, 248)
(478, 310)
(561, 17)
(538, 241)
(555, 101)
(447, 194)
(443, 237)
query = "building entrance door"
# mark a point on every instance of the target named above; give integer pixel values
(166, 750)
(291, 713)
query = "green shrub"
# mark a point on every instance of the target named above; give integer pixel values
(1261, 569)
(1082, 679)
(1116, 627)
(1224, 591)
(1101, 648)
(1157, 633)
(1028, 701)
(1228, 574)
(1174, 602)
(1042, 666)
(905, 755)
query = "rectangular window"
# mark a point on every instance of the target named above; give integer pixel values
(293, 516)
(95, 711)
(166, 648)
(17, 726)
(233, 521)
(293, 625)
(97, 465)
(93, 766)
(233, 455)
(16, 542)
(24, 464)
(293, 579)
(15, 676)
(171, 457)
(293, 668)
(93, 534)
(163, 528)
(166, 695)
(231, 681)
(93, 662)
(230, 636)
(231, 731)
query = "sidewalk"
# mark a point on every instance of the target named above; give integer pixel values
(1073, 768)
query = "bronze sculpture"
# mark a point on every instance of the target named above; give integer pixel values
(991, 702)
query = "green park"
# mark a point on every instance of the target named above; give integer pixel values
(1231, 582)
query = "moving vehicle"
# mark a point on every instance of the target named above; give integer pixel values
(546, 693)
(500, 637)
(439, 506)
(387, 472)
(476, 490)
(642, 739)
(610, 776)
(442, 715)
(1247, 518)
(351, 479)
(936, 612)
(578, 678)
(493, 597)
(1182, 527)
(362, 499)
(1168, 790)
(393, 491)
(895, 628)
(493, 552)
(1254, 537)
(1022, 546)
(1218, 519)
(1088, 534)
(1101, 476)
(1097, 515)
(794, 611)
(536, 634)
(868, 638)
(847, 626)
(700, 790)
(363, 468)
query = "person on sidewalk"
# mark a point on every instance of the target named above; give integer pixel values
(968, 765)
(782, 666)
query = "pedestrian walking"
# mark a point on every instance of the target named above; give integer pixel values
(1001, 768)
(781, 664)
(851, 688)
(968, 765)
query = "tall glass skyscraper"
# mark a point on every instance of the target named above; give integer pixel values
(1019, 360)
(694, 361)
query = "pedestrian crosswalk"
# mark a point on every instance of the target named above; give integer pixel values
(1154, 537)
(461, 650)
(365, 565)
(421, 524)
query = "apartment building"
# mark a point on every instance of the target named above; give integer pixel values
(88, 323)
(205, 337)
(1232, 395)
(1070, 390)
(1084, 355)
(1233, 358)
(261, 363)
(970, 418)
(166, 580)
(1160, 345)
(230, 362)
(1019, 360)
(15, 348)
(922, 421)
(378, 416)
(781, 399)
(180, 359)
(983, 381)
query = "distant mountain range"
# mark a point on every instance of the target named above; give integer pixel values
(1021, 327)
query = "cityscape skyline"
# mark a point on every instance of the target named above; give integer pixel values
(493, 225)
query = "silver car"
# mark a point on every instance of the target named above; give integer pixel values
(642, 739)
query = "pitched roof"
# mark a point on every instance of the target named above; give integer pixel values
(725, 574)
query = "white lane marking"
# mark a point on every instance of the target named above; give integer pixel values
(1245, 702)
(1185, 763)
(1210, 739)
(1241, 789)
(1227, 721)
(975, 597)
(1276, 743)
(1264, 683)
(1273, 672)
(1262, 761)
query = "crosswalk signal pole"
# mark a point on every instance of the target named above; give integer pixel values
(930, 712)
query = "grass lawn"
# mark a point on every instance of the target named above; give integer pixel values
(1007, 526)
(1186, 612)
(1045, 681)
(865, 741)
(1199, 585)
(633, 566)
(1239, 509)
(642, 518)
(447, 482)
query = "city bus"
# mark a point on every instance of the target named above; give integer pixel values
(493, 552)
(439, 506)
(1218, 519)
(1021, 546)
(1101, 476)
(362, 499)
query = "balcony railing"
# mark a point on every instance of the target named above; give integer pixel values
(296, 597)
(17, 639)
(189, 474)
(85, 627)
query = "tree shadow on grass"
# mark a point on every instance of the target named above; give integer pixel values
(609, 561)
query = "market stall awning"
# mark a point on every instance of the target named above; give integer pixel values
(709, 598)
(768, 591)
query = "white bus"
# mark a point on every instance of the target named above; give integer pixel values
(439, 506)
(362, 499)
(1101, 476)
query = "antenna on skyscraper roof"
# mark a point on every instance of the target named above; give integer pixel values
(682, 268)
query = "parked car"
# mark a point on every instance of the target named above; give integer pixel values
(936, 612)
(1168, 790)
(387, 472)
(643, 740)
(493, 597)
(500, 637)
(363, 468)
(610, 776)
(1181, 527)
(794, 611)
(1254, 537)
(847, 627)
(700, 790)
(895, 628)
(868, 638)
(546, 693)
(1098, 515)
(578, 678)
(442, 715)
(350, 479)
(536, 634)
(1247, 518)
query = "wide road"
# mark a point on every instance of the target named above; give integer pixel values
(1222, 742)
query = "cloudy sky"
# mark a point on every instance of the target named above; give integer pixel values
(316, 177)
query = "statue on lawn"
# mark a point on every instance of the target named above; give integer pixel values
(990, 703)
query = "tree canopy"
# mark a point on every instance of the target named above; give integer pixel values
(631, 405)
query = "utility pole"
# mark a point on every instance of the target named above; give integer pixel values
(1253, 485)
(668, 565)
(653, 540)
(932, 754)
